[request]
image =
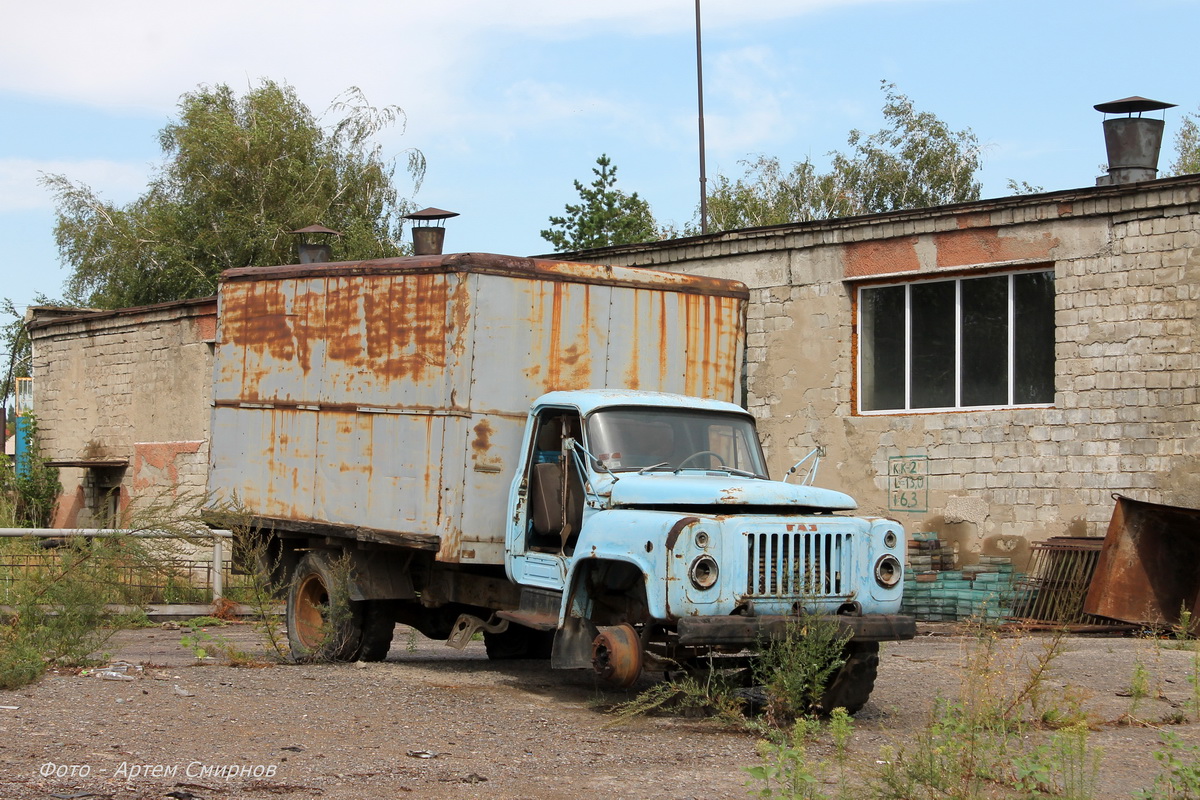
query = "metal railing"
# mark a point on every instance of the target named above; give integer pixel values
(214, 568)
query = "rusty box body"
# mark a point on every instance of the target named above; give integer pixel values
(386, 400)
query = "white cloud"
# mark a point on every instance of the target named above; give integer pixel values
(20, 189)
(141, 54)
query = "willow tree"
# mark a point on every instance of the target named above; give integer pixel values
(238, 174)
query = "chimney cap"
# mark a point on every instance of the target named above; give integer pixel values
(430, 214)
(1131, 105)
(316, 229)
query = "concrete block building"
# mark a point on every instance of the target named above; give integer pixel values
(991, 371)
(123, 401)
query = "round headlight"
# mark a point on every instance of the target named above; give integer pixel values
(703, 572)
(888, 571)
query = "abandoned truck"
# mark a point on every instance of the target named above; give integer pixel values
(479, 443)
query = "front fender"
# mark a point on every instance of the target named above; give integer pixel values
(638, 540)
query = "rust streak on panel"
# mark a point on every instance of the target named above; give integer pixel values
(553, 379)
(580, 359)
(709, 366)
(341, 322)
(694, 384)
(460, 316)
(632, 373)
(664, 339)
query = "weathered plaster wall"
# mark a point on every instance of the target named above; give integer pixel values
(128, 392)
(1125, 416)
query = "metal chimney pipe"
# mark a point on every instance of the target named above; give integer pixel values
(312, 244)
(428, 238)
(1133, 143)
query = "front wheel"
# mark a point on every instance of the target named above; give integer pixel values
(322, 622)
(617, 655)
(851, 685)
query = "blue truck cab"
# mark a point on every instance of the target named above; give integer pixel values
(644, 529)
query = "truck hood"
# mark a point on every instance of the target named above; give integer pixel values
(690, 489)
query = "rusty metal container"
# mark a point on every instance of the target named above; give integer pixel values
(1147, 570)
(386, 400)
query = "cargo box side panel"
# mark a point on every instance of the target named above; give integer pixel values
(393, 340)
(493, 444)
(290, 439)
(263, 457)
(270, 347)
(268, 364)
(232, 472)
(530, 337)
(533, 337)
(396, 343)
(383, 471)
(666, 341)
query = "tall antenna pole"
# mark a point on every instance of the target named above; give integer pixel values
(700, 105)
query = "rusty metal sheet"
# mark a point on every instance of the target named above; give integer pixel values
(511, 266)
(1148, 565)
(392, 394)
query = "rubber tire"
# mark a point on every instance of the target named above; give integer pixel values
(307, 612)
(518, 642)
(379, 626)
(851, 685)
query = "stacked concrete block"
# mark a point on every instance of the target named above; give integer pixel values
(934, 591)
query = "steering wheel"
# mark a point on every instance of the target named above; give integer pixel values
(712, 453)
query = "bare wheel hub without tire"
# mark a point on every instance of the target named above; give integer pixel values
(617, 655)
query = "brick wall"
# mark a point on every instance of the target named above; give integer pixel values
(123, 398)
(1125, 419)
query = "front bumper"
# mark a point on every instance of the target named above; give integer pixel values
(745, 631)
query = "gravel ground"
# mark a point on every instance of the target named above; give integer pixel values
(431, 722)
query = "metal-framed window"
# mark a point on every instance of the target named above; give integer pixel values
(957, 343)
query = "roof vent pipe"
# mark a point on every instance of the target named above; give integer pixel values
(313, 245)
(1133, 143)
(428, 234)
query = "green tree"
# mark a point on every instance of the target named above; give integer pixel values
(914, 161)
(605, 216)
(238, 174)
(1187, 147)
(767, 195)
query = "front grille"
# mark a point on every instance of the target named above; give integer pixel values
(801, 564)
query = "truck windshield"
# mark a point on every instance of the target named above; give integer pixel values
(650, 439)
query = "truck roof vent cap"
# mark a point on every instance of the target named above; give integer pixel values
(1133, 143)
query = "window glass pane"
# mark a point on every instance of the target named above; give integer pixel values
(932, 344)
(633, 439)
(881, 347)
(1034, 337)
(985, 341)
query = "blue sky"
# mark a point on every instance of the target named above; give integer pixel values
(511, 101)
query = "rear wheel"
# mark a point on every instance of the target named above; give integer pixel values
(379, 625)
(322, 622)
(851, 685)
